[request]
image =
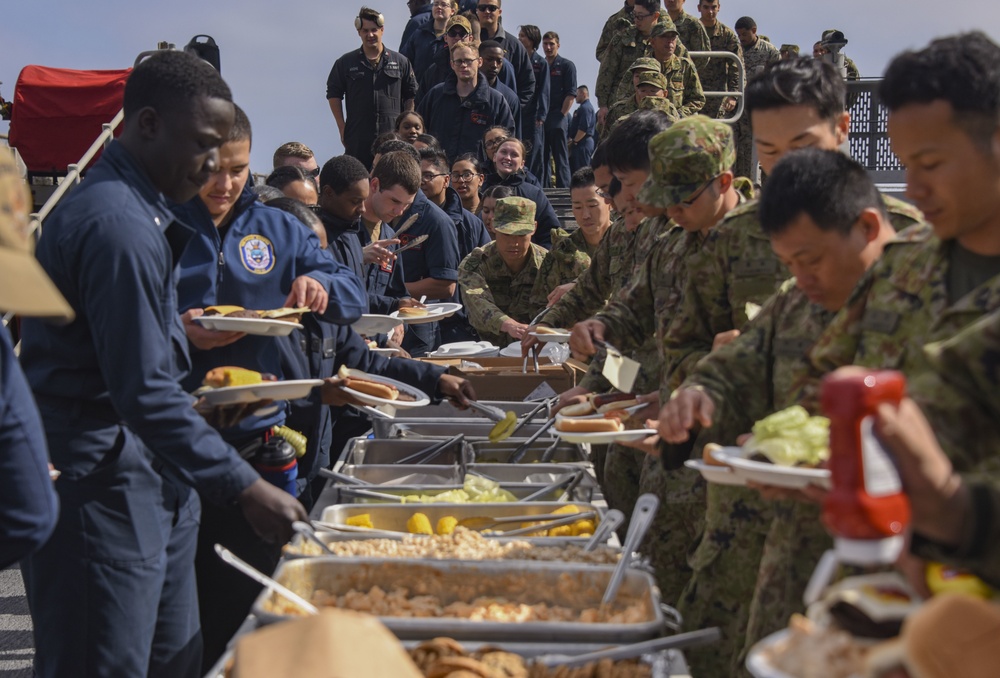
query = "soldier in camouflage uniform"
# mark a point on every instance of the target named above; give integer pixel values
(616, 23)
(690, 181)
(641, 66)
(692, 34)
(683, 86)
(626, 46)
(810, 212)
(788, 51)
(757, 54)
(497, 279)
(720, 75)
(650, 94)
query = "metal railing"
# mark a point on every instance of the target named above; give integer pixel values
(738, 95)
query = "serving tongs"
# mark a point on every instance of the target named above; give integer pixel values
(372, 411)
(342, 478)
(429, 452)
(230, 558)
(307, 532)
(567, 484)
(692, 639)
(642, 519)
(522, 449)
(405, 226)
(543, 405)
(489, 411)
(357, 529)
(355, 491)
(479, 523)
(533, 354)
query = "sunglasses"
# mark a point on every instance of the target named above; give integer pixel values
(313, 172)
(457, 33)
(488, 9)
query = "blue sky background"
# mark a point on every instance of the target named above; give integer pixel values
(276, 55)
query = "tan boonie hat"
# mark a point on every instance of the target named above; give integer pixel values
(684, 158)
(458, 20)
(646, 64)
(656, 79)
(25, 289)
(514, 216)
(663, 27)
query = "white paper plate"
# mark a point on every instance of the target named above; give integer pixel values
(422, 398)
(758, 661)
(465, 349)
(789, 477)
(371, 324)
(269, 390)
(258, 326)
(560, 338)
(435, 312)
(605, 437)
(630, 410)
(720, 475)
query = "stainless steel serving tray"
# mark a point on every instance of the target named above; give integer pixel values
(375, 452)
(474, 429)
(485, 452)
(578, 587)
(393, 517)
(559, 542)
(345, 496)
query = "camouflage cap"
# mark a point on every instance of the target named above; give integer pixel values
(663, 27)
(514, 216)
(458, 20)
(654, 78)
(791, 49)
(646, 64)
(683, 158)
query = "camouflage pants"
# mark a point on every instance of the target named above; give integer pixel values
(744, 148)
(622, 470)
(598, 457)
(794, 545)
(724, 574)
(676, 527)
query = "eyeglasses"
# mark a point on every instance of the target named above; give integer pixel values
(691, 199)
(464, 62)
(640, 17)
(488, 9)
(427, 176)
(457, 33)
(464, 176)
(495, 143)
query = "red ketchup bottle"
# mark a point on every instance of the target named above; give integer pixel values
(867, 510)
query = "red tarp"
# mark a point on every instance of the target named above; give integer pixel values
(57, 113)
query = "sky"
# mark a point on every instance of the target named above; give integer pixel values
(276, 56)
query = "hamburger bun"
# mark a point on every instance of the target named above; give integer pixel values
(706, 455)
(597, 425)
(411, 312)
(222, 310)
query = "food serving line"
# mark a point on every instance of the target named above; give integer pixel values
(527, 561)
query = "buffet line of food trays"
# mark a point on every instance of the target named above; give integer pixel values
(370, 466)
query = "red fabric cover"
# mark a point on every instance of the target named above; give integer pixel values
(58, 112)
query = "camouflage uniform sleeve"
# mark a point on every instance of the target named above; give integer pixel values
(737, 376)
(629, 315)
(696, 40)
(589, 294)
(733, 81)
(483, 312)
(614, 24)
(608, 74)
(694, 95)
(594, 381)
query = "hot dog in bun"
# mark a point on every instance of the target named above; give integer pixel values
(608, 424)
(367, 386)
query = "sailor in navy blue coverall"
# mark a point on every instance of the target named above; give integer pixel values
(113, 591)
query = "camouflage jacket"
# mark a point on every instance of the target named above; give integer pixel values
(756, 58)
(684, 86)
(720, 75)
(652, 235)
(736, 267)
(563, 264)
(492, 294)
(756, 374)
(626, 107)
(900, 306)
(625, 47)
(616, 23)
(610, 267)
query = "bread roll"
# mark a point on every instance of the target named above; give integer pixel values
(411, 312)
(599, 425)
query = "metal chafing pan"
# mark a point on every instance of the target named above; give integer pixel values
(474, 429)
(366, 451)
(393, 517)
(577, 587)
(519, 490)
(484, 452)
(516, 475)
(560, 542)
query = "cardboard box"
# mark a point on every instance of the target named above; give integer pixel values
(502, 379)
